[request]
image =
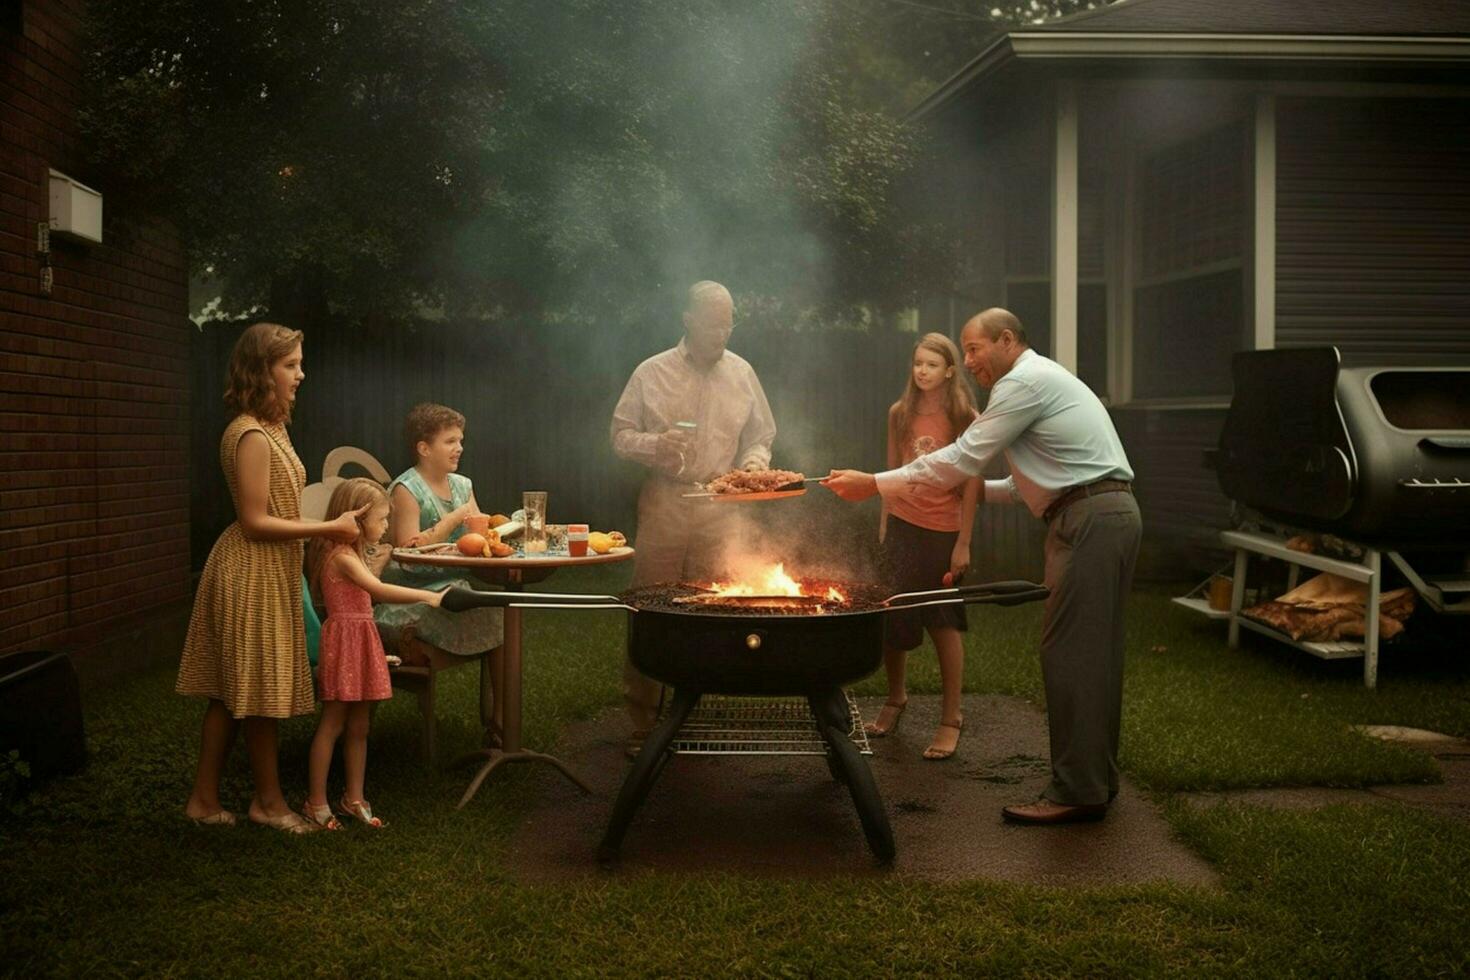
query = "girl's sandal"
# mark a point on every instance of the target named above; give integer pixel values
(360, 810)
(935, 754)
(876, 730)
(633, 744)
(322, 816)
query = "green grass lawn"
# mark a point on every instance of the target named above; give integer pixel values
(99, 874)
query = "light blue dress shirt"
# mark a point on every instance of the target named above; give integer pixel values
(1053, 430)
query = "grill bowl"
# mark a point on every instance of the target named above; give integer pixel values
(743, 650)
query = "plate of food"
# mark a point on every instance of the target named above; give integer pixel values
(749, 486)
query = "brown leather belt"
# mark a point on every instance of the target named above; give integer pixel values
(1073, 494)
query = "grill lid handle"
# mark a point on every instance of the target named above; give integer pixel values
(1446, 442)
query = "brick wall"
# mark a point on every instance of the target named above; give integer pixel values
(94, 378)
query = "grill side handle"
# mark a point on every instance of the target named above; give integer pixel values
(1011, 593)
(457, 599)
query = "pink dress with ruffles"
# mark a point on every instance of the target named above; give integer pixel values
(352, 665)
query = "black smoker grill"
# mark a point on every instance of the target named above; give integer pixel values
(1376, 455)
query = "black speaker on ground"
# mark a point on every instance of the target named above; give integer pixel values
(41, 712)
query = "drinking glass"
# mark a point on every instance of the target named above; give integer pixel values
(533, 502)
(688, 431)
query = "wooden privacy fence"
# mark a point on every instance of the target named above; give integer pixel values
(539, 402)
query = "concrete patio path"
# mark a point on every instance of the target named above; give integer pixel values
(1449, 798)
(786, 816)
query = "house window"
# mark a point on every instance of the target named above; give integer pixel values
(1189, 312)
(1028, 270)
(1092, 282)
(1028, 224)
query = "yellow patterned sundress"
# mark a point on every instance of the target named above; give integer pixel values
(246, 644)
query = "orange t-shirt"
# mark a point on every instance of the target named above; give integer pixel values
(928, 507)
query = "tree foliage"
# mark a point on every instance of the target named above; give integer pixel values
(579, 159)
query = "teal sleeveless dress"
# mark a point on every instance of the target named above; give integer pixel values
(465, 633)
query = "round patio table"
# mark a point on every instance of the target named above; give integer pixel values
(514, 572)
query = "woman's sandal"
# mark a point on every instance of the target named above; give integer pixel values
(219, 818)
(360, 810)
(322, 816)
(289, 822)
(872, 727)
(934, 754)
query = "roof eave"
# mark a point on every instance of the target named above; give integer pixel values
(986, 62)
(1123, 45)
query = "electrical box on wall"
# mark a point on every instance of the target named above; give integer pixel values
(76, 209)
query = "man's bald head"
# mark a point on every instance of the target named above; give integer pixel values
(992, 340)
(995, 321)
(703, 292)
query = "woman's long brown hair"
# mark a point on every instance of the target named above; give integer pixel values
(349, 495)
(249, 387)
(959, 404)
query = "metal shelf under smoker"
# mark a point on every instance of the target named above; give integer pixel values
(728, 725)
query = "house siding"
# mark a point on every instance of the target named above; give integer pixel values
(1184, 510)
(94, 378)
(1373, 228)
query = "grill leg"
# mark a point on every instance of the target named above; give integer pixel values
(838, 773)
(645, 771)
(830, 710)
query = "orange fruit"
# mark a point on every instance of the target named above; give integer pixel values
(472, 544)
(498, 519)
(500, 550)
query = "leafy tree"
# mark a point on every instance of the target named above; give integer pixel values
(309, 149)
(898, 51)
(559, 159)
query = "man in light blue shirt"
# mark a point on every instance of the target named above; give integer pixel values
(1068, 467)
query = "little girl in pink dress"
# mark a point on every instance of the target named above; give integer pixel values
(352, 669)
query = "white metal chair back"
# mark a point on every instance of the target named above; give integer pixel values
(314, 498)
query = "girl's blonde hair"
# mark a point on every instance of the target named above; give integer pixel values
(249, 387)
(958, 403)
(349, 495)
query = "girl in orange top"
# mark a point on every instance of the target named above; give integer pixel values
(927, 535)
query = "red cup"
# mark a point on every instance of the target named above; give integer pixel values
(577, 540)
(477, 523)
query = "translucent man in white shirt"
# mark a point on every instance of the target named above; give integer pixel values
(697, 381)
(1068, 467)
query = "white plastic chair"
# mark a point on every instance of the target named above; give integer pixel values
(316, 496)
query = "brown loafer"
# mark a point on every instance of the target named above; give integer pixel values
(1046, 812)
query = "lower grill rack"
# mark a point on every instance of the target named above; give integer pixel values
(728, 725)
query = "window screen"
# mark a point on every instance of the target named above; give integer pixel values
(1189, 300)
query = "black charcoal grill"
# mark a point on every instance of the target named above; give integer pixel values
(1376, 455)
(700, 644)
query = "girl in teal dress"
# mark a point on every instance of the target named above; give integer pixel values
(422, 514)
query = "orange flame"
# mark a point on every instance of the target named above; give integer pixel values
(774, 580)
